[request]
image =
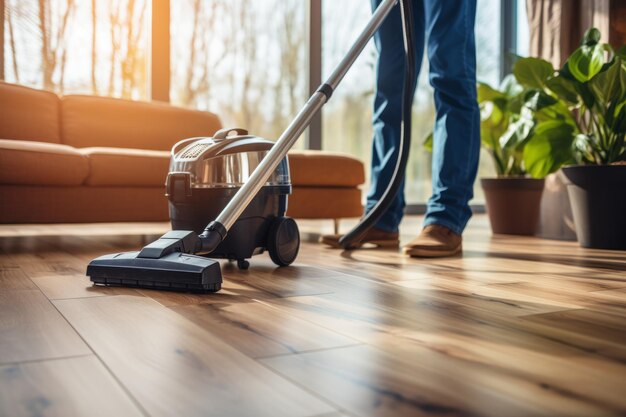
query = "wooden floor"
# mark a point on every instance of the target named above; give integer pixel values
(515, 327)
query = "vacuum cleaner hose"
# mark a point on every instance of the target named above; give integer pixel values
(357, 233)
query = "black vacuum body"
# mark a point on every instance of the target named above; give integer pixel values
(205, 173)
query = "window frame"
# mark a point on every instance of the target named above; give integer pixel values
(160, 51)
(2, 17)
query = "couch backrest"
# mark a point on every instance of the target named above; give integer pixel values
(99, 121)
(29, 114)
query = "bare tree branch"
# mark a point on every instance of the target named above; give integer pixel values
(53, 44)
(16, 73)
(46, 60)
(62, 43)
(94, 44)
(114, 17)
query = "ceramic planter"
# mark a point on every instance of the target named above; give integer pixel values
(598, 197)
(513, 204)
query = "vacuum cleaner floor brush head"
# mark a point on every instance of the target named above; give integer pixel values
(175, 271)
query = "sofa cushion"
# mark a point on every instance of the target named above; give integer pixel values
(126, 167)
(29, 114)
(320, 168)
(46, 204)
(40, 163)
(99, 121)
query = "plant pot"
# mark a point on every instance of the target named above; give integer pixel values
(597, 194)
(513, 204)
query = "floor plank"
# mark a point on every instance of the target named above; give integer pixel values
(173, 367)
(59, 287)
(415, 316)
(496, 299)
(417, 382)
(232, 292)
(590, 323)
(394, 267)
(32, 329)
(298, 279)
(259, 330)
(15, 279)
(79, 386)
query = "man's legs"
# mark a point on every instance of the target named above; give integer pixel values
(387, 115)
(456, 145)
(450, 28)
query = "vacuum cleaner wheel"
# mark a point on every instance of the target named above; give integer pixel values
(243, 264)
(283, 241)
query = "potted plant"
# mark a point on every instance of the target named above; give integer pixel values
(512, 198)
(507, 122)
(583, 129)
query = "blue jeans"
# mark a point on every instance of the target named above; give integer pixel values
(447, 27)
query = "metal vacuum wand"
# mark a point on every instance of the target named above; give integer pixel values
(216, 231)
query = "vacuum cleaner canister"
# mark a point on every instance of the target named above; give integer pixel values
(205, 173)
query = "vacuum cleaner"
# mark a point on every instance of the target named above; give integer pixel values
(206, 173)
(239, 184)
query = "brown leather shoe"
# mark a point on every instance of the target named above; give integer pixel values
(435, 241)
(374, 236)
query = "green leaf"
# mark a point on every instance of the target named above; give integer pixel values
(582, 89)
(586, 62)
(549, 148)
(621, 52)
(581, 142)
(494, 123)
(585, 93)
(517, 134)
(592, 37)
(581, 146)
(559, 111)
(487, 93)
(510, 87)
(563, 88)
(536, 100)
(533, 72)
(606, 85)
(515, 104)
(618, 119)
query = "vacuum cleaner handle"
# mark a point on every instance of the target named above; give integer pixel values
(223, 133)
(216, 231)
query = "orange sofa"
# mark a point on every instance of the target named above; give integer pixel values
(93, 159)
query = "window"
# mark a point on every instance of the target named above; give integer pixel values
(244, 60)
(71, 46)
(523, 35)
(347, 117)
(489, 61)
